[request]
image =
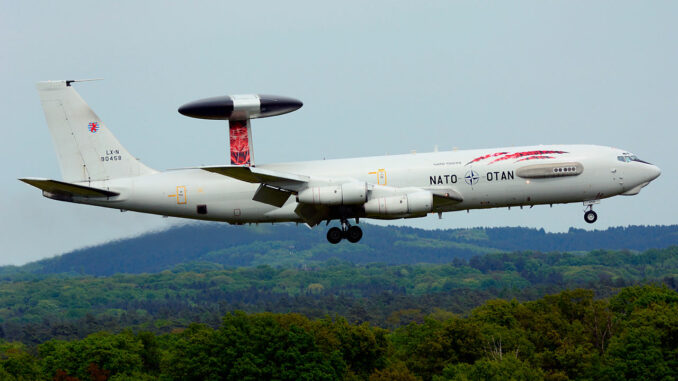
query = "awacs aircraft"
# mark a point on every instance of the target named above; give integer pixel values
(98, 170)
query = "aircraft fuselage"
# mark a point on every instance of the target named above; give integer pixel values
(484, 183)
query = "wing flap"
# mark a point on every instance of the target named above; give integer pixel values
(271, 196)
(55, 187)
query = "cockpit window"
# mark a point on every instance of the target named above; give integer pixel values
(627, 158)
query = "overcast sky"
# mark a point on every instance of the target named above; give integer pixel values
(375, 77)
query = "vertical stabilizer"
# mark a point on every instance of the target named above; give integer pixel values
(86, 149)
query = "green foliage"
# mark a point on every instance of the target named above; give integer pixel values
(394, 372)
(16, 363)
(631, 299)
(250, 348)
(39, 308)
(99, 353)
(647, 345)
(637, 354)
(569, 335)
(510, 368)
(193, 246)
(426, 348)
(363, 347)
(355, 321)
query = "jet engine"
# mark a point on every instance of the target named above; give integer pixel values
(352, 193)
(420, 202)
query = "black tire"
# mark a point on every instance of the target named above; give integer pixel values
(334, 235)
(590, 216)
(354, 234)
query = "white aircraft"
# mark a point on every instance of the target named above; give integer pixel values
(97, 170)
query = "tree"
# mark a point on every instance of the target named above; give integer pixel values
(395, 372)
(16, 363)
(647, 346)
(637, 355)
(250, 347)
(363, 348)
(427, 348)
(510, 368)
(116, 354)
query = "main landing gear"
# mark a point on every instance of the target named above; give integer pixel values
(590, 216)
(352, 233)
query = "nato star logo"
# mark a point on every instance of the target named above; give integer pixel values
(471, 178)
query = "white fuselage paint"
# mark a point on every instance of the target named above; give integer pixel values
(178, 192)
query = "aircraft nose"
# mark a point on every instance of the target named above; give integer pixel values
(653, 172)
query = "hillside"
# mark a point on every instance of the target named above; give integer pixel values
(290, 245)
(152, 306)
(35, 307)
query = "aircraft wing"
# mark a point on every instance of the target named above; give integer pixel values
(260, 175)
(60, 188)
(275, 187)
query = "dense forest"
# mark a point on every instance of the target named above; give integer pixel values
(571, 335)
(35, 308)
(287, 245)
(210, 302)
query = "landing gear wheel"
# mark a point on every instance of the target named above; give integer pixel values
(334, 235)
(590, 216)
(354, 234)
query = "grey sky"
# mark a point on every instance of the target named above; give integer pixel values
(375, 77)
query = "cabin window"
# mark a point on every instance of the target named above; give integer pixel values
(201, 209)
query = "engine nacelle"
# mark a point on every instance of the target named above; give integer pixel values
(410, 203)
(353, 193)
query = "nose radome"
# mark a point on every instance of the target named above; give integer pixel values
(653, 172)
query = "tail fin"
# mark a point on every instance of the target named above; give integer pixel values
(86, 149)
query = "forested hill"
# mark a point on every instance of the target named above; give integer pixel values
(291, 245)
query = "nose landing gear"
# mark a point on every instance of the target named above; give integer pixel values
(590, 216)
(352, 233)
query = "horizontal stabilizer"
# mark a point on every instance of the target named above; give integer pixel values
(60, 189)
(260, 175)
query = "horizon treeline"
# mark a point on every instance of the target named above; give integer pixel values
(289, 245)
